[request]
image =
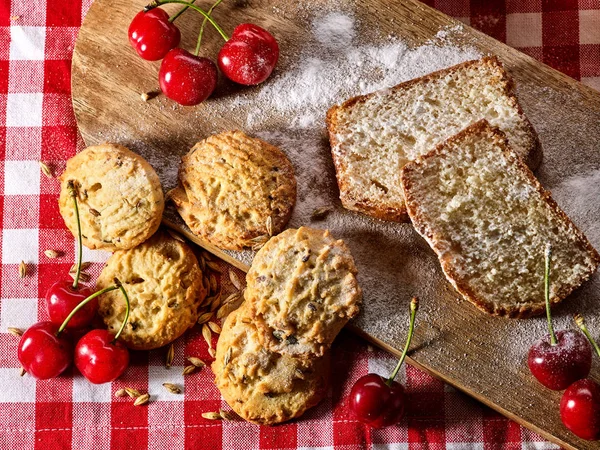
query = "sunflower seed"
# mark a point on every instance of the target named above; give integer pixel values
(94, 213)
(170, 356)
(175, 235)
(206, 334)
(213, 265)
(321, 213)
(226, 415)
(227, 356)
(121, 393)
(22, 372)
(52, 253)
(197, 362)
(15, 331)
(133, 393)
(205, 317)
(189, 369)
(172, 388)
(45, 169)
(22, 269)
(269, 226)
(211, 352)
(84, 266)
(212, 415)
(141, 400)
(235, 280)
(214, 327)
(83, 277)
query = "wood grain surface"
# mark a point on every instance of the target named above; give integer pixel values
(478, 354)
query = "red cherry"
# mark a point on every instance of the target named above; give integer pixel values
(62, 298)
(43, 353)
(99, 359)
(152, 35)
(249, 56)
(375, 403)
(557, 366)
(186, 78)
(580, 409)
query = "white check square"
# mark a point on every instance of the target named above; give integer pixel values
(27, 43)
(24, 110)
(15, 388)
(18, 313)
(21, 244)
(84, 391)
(157, 375)
(21, 178)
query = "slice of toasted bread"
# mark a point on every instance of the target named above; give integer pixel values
(489, 220)
(373, 136)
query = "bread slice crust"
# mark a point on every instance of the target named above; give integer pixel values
(422, 226)
(396, 211)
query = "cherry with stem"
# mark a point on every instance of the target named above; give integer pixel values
(100, 356)
(580, 403)
(560, 358)
(64, 295)
(380, 402)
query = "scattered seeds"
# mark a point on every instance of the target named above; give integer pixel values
(189, 369)
(211, 352)
(269, 226)
(232, 297)
(213, 265)
(197, 362)
(172, 388)
(202, 263)
(212, 415)
(22, 269)
(204, 317)
(121, 393)
(299, 374)
(170, 356)
(215, 327)
(206, 334)
(141, 400)
(321, 213)
(133, 393)
(22, 372)
(228, 308)
(227, 356)
(45, 169)
(84, 266)
(226, 415)
(213, 283)
(15, 331)
(15, 17)
(52, 253)
(175, 235)
(83, 277)
(235, 280)
(148, 95)
(207, 256)
(215, 303)
(206, 282)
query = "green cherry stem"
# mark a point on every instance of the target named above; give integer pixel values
(73, 193)
(128, 307)
(157, 3)
(203, 25)
(414, 306)
(581, 324)
(180, 12)
(83, 303)
(547, 258)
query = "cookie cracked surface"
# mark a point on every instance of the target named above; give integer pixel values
(164, 283)
(230, 186)
(119, 194)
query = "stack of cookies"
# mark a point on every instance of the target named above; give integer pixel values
(272, 359)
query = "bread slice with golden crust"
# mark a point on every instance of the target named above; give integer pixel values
(373, 136)
(489, 220)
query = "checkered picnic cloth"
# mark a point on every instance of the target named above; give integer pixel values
(37, 123)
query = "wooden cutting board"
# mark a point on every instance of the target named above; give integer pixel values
(480, 355)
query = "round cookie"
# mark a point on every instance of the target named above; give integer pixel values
(302, 290)
(261, 386)
(119, 194)
(164, 283)
(230, 186)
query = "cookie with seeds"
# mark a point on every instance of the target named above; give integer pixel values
(261, 386)
(164, 283)
(302, 290)
(234, 190)
(119, 194)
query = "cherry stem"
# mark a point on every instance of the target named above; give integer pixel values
(581, 324)
(180, 12)
(157, 3)
(414, 306)
(82, 304)
(203, 25)
(547, 257)
(128, 307)
(73, 192)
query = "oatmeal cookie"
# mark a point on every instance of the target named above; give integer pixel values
(302, 289)
(231, 186)
(261, 386)
(120, 197)
(164, 283)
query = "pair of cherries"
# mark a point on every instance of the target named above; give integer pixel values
(563, 360)
(47, 348)
(247, 58)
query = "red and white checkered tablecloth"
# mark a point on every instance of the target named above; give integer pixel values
(37, 123)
